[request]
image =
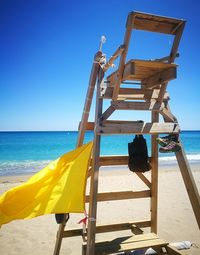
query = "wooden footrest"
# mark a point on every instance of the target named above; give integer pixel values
(123, 244)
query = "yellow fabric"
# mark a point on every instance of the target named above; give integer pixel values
(58, 188)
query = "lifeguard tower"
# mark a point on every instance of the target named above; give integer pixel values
(152, 77)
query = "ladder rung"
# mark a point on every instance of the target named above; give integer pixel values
(135, 94)
(109, 228)
(137, 128)
(139, 106)
(114, 160)
(121, 195)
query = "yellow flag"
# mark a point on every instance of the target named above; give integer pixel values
(58, 188)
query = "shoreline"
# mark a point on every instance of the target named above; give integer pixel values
(121, 169)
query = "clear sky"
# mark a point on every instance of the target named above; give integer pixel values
(47, 48)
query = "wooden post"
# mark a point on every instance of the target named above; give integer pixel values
(95, 173)
(154, 176)
(84, 120)
(189, 183)
(172, 57)
(127, 38)
(89, 96)
(59, 236)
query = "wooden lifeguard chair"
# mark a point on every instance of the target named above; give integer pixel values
(151, 95)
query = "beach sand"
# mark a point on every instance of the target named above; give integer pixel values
(176, 221)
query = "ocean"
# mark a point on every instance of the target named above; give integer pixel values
(29, 152)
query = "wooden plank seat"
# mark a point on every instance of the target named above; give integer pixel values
(128, 243)
(150, 73)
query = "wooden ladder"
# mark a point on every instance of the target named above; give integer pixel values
(153, 77)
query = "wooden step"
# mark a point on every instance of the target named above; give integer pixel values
(138, 106)
(134, 94)
(120, 127)
(128, 243)
(110, 228)
(155, 23)
(143, 70)
(121, 195)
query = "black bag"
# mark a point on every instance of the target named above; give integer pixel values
(60, 217)
(138, 155)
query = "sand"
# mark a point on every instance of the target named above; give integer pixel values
(176, 221)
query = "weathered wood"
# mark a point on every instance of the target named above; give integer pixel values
(155, 23)
(144, 179)
(113, 160)
(135, 230)
(119, 75)
(140, 70)
(160, 77)
(89, 126)
(154, 176)
(138, 128)
(83, 127)
(89, 96)
(167, 115)
(60, 236)
(95, 174)
(177, 38)
(122, 226)
(117, 53)
(108, 112)
(135, 94)
(121, 195)
(109, 228)
(139, 106)
(129, 243)
(110, 249)
(189, 183)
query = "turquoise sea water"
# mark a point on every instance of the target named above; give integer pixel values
(29, 152)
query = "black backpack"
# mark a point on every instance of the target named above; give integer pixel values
(138, 155)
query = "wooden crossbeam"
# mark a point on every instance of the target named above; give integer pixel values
(144, 179)
(135, 93)
(139, 128)
(168, 116)
(139, 106)
(121, 195)
(108, 112)
(109, 228)
(113, 160)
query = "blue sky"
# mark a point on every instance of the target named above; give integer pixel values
(47, 48)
